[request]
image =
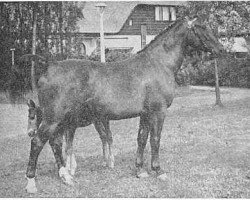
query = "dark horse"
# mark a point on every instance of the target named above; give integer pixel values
(142, 86)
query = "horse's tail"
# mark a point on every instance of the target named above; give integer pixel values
(20, 77)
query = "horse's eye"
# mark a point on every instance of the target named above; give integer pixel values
(32, 117)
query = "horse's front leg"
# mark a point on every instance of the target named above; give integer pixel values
(56, 145)
(70, 156)
(157, 121)
(141, 141)
(37, 144)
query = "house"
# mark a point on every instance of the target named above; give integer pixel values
(127, 24)
(239, 46)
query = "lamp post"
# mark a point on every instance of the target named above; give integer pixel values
(13, 56)
(101, 7)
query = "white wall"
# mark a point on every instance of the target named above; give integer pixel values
(90, 44)
(117, 41)
(236, 44)
(124, 41)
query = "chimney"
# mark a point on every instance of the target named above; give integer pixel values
(143, 35)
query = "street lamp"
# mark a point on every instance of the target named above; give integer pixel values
(13, 56)
(101, 7)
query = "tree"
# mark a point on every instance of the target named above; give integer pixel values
(60, 20)
(227, 18)
(16, 30)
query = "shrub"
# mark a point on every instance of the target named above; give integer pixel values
(232, 72)
(111, 55)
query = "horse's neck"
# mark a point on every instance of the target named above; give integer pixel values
(170, 53)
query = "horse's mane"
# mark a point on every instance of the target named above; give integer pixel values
(163, 32)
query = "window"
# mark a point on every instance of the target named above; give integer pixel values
(173, 13)
(240, 55)
(82, 49)
(130, 22)
(164, 13)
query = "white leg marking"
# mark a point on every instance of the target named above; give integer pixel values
(105, 154)
(71, 164)
(111, 161)
(67, 163)
(31, 185)
(142, 173)
(65, 176)
(163, 177)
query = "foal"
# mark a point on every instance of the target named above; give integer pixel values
(34, 121)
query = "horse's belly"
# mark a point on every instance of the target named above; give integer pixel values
(121, 109)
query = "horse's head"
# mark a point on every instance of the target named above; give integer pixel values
(34, 118)
(200, 37)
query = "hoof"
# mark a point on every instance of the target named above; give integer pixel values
(111, 162)
(65, 176)
(72, 172)
(31, 186)
(68, 180)
(104, 164)
(162, 177)
(31, 190)
(142, 174)
(248, 175)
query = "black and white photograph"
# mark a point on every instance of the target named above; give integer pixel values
(125, 99)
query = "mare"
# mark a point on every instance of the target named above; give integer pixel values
(141, 86)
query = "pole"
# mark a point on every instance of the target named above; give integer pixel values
(101, 7)
(217, 88)
(12, 57)
(102, 36)
(33, 84)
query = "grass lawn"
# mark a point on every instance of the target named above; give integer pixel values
(204, 149)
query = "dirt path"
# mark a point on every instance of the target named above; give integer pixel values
(205, 151)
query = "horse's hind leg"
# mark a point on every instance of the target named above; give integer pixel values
(102, 133)
(141, 141)
(111, 160)
(56, 144)
(37, 144)
(70, 156)
(157, 121)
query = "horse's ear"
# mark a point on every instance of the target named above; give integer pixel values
(191, 22)
(187, 18)
(31, 103)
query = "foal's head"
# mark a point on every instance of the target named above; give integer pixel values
(200, 37)
(34, 118)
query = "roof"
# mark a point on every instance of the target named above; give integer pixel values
(115, 14)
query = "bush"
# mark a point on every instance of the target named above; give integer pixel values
(111, 55)
(232, 73)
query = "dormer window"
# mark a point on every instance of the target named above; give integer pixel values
(130, 22)
(173, 13)
(165, 13)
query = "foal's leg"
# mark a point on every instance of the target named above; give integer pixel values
(102, 133)
(141, 141)
(70, 156)
(157, 121)
(56, 144)
(37, 144)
